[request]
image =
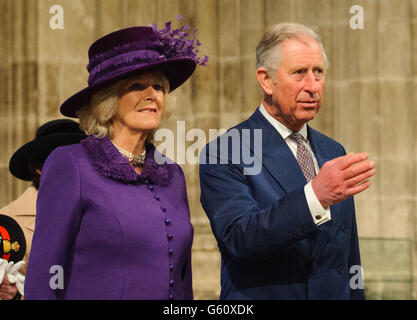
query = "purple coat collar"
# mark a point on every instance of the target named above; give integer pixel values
(108, 161)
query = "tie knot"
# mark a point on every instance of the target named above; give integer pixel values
(297, 137)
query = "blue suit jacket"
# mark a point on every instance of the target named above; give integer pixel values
(269, 244)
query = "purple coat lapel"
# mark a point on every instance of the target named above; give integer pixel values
(108, 161)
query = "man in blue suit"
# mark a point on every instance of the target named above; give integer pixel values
(288, 230)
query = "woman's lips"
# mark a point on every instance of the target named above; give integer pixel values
(148, 110)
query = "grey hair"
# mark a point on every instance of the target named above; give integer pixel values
(268, 51)
(96, 117)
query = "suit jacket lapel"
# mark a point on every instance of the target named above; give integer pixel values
(280, 162)
(277, 157)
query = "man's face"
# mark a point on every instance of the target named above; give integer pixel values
(298, 90)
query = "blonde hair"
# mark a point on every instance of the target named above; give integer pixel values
(96, 117)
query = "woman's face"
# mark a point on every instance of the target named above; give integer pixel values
(140, 104)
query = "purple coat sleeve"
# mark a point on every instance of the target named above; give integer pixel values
(57, 219)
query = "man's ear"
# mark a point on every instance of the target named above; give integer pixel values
(265, 81)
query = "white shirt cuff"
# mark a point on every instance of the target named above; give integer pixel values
(319, 214)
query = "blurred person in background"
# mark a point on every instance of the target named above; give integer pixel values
(26, 164)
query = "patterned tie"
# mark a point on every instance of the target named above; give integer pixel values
(304, 158)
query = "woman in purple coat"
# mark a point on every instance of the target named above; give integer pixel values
(113, 219)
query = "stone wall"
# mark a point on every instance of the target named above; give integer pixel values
(369, 101)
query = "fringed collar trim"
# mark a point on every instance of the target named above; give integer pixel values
(108, 161)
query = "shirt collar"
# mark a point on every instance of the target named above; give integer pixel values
(282, 129)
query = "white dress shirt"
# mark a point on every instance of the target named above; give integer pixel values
(319, 214)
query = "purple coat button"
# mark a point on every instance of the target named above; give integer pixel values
(170, 252)
(163, 208)
(171, 267)
(167, 221)
(171, 283)
(170, 236)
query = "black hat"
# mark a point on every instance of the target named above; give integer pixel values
(12, 240)
(50, 135)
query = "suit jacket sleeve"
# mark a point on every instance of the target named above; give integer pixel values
(57, 220)
(240, 226)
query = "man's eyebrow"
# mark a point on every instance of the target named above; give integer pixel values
(304, 67)
(298, 67)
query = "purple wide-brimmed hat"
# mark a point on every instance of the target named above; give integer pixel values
(135, 50)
